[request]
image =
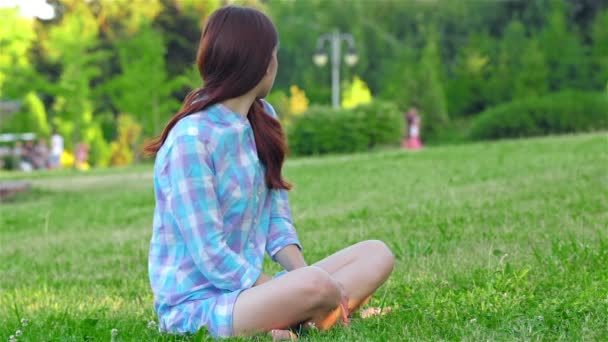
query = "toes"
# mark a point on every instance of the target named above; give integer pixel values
(370, 312)
(283, 335)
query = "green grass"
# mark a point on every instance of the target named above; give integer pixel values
(501, 241)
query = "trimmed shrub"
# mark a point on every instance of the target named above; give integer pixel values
(325, 130)
(383, 123)
(564, 112)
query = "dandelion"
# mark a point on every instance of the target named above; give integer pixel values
(24, 322)
(151, 325)
(540, 318)
(18, 333)
(12, 339)
(473, 320)
(114, 332)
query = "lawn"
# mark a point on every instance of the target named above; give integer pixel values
(500, 241)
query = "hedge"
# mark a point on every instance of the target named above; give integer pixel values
(325, 130)
(563, 112)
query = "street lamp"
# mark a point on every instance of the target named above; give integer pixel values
(320, 59)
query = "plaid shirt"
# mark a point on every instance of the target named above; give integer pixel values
(214, 215)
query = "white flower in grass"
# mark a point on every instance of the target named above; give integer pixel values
(114, 332)
(151, 325)
(12, 339)
(18, 333)
(473, 320)
(540, 318)
(24, 322)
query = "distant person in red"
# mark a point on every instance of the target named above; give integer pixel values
(412, 140)
(82, 154)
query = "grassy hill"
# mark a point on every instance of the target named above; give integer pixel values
(496, 241)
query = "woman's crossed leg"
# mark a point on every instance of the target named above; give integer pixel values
(314, 293)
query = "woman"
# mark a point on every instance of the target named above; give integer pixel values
(221, 202)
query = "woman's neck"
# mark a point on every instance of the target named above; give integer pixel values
(241, 104)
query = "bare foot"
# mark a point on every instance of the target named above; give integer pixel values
(283, 335)
(371, 312)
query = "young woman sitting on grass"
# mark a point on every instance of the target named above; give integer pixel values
(221, 202)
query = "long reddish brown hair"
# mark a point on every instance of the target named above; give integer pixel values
(234, 53)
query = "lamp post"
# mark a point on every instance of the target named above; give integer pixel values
(335, 40)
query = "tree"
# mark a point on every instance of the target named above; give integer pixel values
(73, 45)
(599, 49)
(16, 39)
(520, 69)
(532, 78)
(564, 52)
(430, 93)
(508, 62)
(467, 89)
(142, 88)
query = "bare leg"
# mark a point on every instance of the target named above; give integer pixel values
(302, 295)
(311, 293)
(361, 269)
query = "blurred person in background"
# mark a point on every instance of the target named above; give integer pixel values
(56, 150)
(41, 154)
(27, 162)
(412, 140)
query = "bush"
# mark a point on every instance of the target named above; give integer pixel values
(383, 123)
(325, 130)
(564, 112)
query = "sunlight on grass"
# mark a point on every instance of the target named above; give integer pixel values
(494, 241)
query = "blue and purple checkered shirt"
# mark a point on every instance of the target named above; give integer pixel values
(214, 215)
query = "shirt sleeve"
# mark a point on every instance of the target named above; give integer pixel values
(194, 205)
(281, 232)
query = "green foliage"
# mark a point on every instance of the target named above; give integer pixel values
(417, 83)
(564, 52)
(280, 103)
(430, 95)
(124, 17)
(383, 123)
(494, 242)
(325, 130)
(16, 39)
(99, 149)
(565, 112)
(520, 70)
(31, 118)
(74, 46)
(451, 59)
(467, 91)
(143, 89)
(600, 49)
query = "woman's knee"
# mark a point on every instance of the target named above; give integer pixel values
(380, 250)
(321, 288)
